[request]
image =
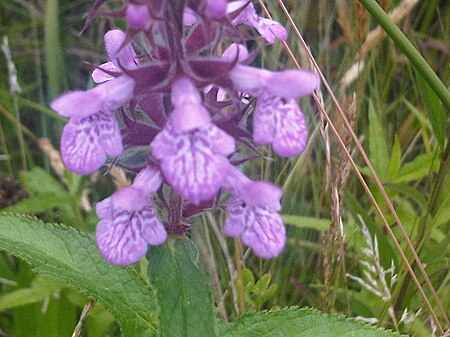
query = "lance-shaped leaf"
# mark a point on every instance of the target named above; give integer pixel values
(294, 322)
(184, 292)
(69, 255)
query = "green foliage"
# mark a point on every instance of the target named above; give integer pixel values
(184, 293)
(256, 294)
(69, 255)
(295, 322)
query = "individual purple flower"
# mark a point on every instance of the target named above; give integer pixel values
(129, 220)
(252, 214)
(93, 132)
(192, 150)
(278, 119)
(269, 29)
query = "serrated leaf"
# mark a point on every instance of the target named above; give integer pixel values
(64, 253)
(293, 322)
(184, 292)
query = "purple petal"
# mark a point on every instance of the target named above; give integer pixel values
(153, 230)
(116, 92)
(292, 83)
(195, 171)
(264, 126)
(222, 142)
(122, 56)
(189, 17)
(78, 104)
(148, 180)
(266, 234)
(260, 194)
(100, 76)
(235, 50)
(130, 199)
(138, 17)
(292, 132)
(249, 79)
(236, 221)
(104, 209)
(271, 30)
(166, 143)
(119, 240)
(216, 9)
(85, 142)
(190, 116)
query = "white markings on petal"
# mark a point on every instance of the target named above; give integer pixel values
(85, 142)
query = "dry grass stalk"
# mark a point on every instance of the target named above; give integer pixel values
(343, 11)
(119, 177)
(362, 21)
(375, 36)
(379, 185)
(55, 158)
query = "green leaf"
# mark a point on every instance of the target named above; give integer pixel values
(184, 292)
(38, 203)
(395, 162)
(434, 109)
(66, 254)
(307, 222)
(419, 168)
(41, 288)
(294, 322)
(38, 180)
(377, 144)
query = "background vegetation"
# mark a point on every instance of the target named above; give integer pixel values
(347, 251)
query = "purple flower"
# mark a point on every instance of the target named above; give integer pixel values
(93, 131)
(129, 220)
(270, 30)
(192, 150)
(278, 119)
(252, 214)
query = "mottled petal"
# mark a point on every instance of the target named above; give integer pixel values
(195, 171)
(266, 234)
(122, 56)
(237, 217)
(120, 241)
(78, 104)
(292, 132)
(264, 126)
(102, 72)
(221, 141)
(138, 17)
(271, 30)
(153, 230)
(83, 141)
(166, 143)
